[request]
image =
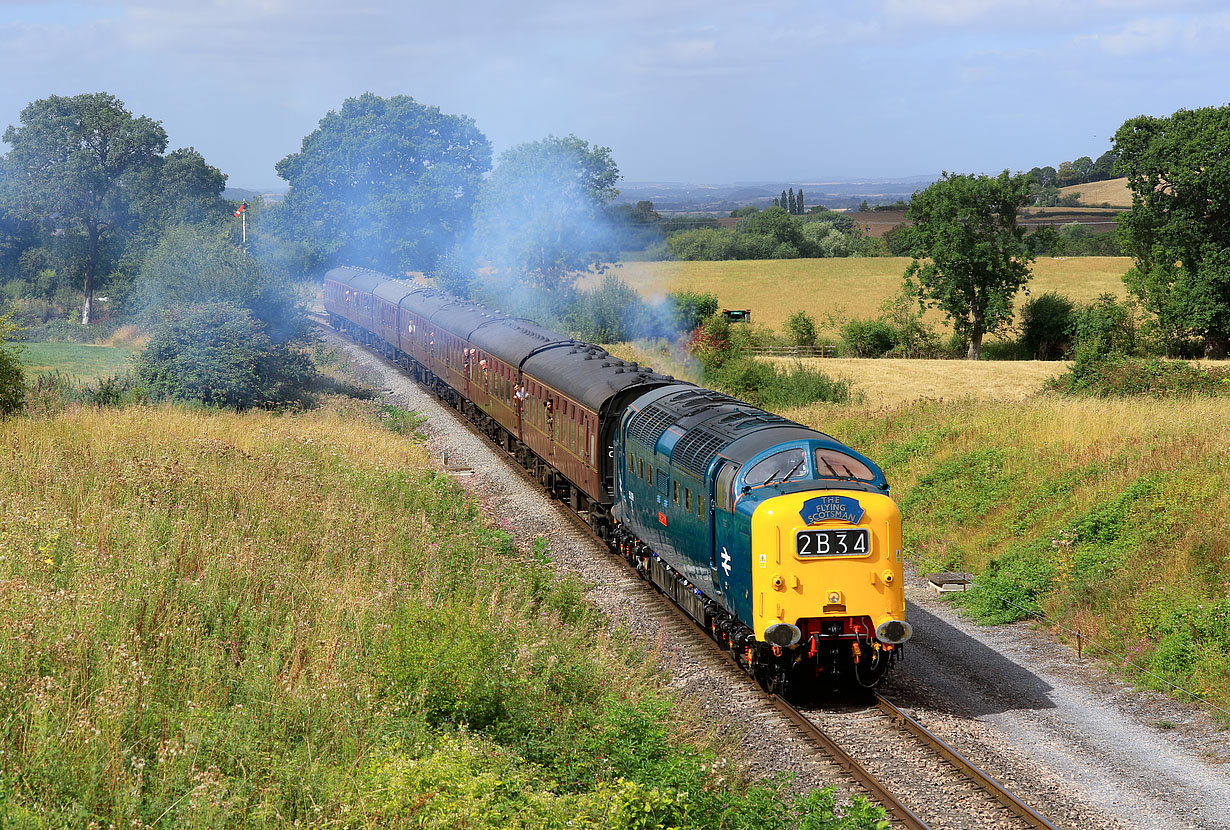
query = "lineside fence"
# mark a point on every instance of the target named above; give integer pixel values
(793, 351)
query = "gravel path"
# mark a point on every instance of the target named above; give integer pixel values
(1076, 743)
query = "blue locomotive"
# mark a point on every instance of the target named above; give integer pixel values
(779, 539)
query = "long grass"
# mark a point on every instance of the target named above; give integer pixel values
(222, 621)
(1110, 516)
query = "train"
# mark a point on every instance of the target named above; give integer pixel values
(780, 540)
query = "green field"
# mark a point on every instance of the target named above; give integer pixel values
(845, 287)
(77, 360)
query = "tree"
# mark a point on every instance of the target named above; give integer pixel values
(978, 257)
(542, 213)
(793, 208)
(1178, 230)
(78, 163)
(1103, 167)
(386, 183)
(193, 265)
(798, 202)
(782, 203)
(1082, 168)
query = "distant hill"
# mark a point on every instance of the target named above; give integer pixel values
(719, 199)
(1113, 192)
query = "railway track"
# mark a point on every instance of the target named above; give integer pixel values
(921, 781)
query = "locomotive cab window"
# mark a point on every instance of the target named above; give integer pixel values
(833, 464)
(787, 465)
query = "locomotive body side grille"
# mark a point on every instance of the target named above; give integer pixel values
(649, 424)
(696, 450)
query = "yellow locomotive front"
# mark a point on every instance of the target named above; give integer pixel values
(827, 586)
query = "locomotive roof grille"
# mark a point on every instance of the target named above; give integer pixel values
(696, 450)
(649, 424)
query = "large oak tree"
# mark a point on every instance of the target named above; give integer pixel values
(385, 182)
(542, 214)
(1178, 230)
(976, 255)
(80, 163)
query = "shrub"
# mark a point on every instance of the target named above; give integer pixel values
(1105, 327)
(802, 329)
(219, 354)
(764, 385)
(12, 377)
(691, 308)
(868, 338)
(1047, 324)
(1120, 375)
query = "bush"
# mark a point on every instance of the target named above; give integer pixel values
(1103, 328)
(1047, 324)
(802, 329)
(219, 354)
(12, 377)
(868, 338)
(691, 308)
(1120, 376)
(611, 313)
(764, 385)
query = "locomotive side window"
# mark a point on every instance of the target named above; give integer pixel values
(676, 492)
(700, 505)
(640, 468)
(687, 499)
(650, 479)
(833, 464)
(722, 488)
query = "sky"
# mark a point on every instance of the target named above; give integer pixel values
(680, 90)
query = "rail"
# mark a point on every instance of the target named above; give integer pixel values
(986, 782)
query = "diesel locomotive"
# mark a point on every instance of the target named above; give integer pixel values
(780, 540)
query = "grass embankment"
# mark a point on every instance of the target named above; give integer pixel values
(845, 287)
(79, 361)
(214, 620)
(1111, 516)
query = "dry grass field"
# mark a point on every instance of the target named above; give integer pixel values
(846, 287)
(1113, 192)
(890, 383)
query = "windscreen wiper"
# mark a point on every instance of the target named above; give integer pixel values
(847, 477)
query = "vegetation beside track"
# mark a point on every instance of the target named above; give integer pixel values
(260, 620)
(1110, 516)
